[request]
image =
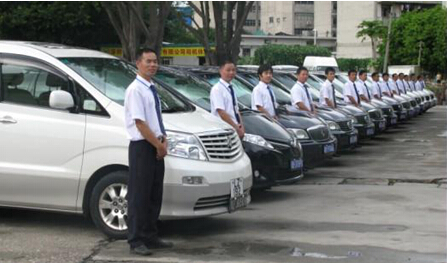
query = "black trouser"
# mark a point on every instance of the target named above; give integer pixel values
(145, 192)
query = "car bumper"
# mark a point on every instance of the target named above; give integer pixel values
(379, 125)
(274, 166)
(391, 120)
(210, 198)
(346, 139)
(365, 130)
(313, 151)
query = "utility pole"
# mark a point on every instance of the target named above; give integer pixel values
(387, 47)
(315, 36)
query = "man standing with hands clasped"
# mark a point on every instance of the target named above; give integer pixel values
(147, 148)
(224, 101)
(301, 97)
(327, 91)
(263, 99)
(364, 93)
(350, 91)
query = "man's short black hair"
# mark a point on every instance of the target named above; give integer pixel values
(412, 75)
(329, 69)
(362, 71)
(225, 62)
(394, 75)
(301, 69)
(419, 76)
(143, 50)
(263, 68)
(405, 75)
(374, 74)
(401, 74)
(352, 71)
(384, 74)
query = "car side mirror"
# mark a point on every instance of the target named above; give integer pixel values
(60, 99)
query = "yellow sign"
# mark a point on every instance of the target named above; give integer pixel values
(114, 51)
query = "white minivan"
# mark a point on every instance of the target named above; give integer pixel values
(63, 145)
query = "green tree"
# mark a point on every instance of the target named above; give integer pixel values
(73, 23)
(428, 27)
(375, 30)
(287, 55)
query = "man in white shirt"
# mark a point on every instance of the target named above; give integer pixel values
(400, 84)
(375, 88)
(300, 95)
(350, 90)
(327, 91)
(418, 83)
(262, 98)
(412, 82)
(224, 100)
(147, 148)
(364, 93)
(393, 84)
(407, 84)
(385, 85)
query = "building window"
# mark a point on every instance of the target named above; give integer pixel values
(278, 20)
(250, 22)
(334, 33)
(334, 7)
(304, 2)
(246, 52)
(271, 19)
(303, 32)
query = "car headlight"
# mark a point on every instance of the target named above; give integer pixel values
(258, 140)
(333, 126)
(185, 146)
(299, 133)
(354, 120)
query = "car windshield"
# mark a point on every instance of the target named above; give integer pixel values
(194, 89)
(112, 77)
(282, 96)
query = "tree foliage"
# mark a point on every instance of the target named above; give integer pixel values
(287, 55)
(345, 64)
(375, 30)
(427, 26)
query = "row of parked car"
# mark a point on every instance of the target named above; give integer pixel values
(64, 146)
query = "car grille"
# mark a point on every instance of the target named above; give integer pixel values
(387, 111)
(222, 146)
(413, 103)
(397, 107)
(375, 114)
(363, 119)
(418, 100)
(345, 125)
(319, 133)
(214, 202)
(407, 105)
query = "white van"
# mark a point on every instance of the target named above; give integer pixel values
(63, 145)
(320, 63)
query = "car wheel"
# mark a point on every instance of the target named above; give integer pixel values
(108, 204)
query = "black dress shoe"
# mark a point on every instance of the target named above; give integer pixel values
(159, 243)
(141, 250)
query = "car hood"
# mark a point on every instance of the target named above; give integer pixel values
(331, 115)
(258, 124)
(292, 118)
(351, 110)
(379, 104)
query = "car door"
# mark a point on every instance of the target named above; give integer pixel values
(41, 148)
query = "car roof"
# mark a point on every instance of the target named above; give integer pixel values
(57, 50)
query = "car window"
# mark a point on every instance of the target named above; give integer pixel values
(29, 84)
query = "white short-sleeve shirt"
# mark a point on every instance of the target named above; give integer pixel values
(418, 85)
(376, 89)
(298, 94)
(349, 90)
(412, 86)
(139, 104)
(400, 86)
(220, 98)
(407, 86)
(386, 87)
(326, 92)
(393, 86)
(261, 97)
(363, 90)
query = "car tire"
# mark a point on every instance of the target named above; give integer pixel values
(108, 204)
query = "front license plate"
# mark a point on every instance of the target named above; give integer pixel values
(353, 139)
(237, 198)
(329, 148)
(381, 125)
(296, 164)
(370, 131)
(393, 121)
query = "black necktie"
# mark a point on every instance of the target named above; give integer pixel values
(158, 109)
(398, 90)
(272, 98)
(367, 91)
(356, 93)
(389, 90)
(380, 90)
(308, 97)
(405, 88)
(333, 96)
(233, 98)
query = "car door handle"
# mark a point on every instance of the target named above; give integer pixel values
(8, 120)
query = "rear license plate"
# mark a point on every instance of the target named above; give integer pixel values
(329, 148)
(237, 198)
(370, 131)
(296, 164)
(353, 139)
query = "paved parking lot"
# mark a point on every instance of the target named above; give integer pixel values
(384, 202)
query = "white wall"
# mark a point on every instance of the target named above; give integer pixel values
(323, 17)
(282, 12)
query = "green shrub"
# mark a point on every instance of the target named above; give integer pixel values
(287, 55)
